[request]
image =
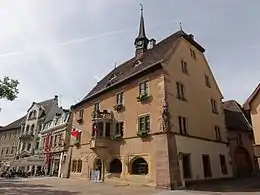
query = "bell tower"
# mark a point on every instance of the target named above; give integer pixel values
(141, 41)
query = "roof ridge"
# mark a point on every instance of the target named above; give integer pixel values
(240, 108)
(252, 96)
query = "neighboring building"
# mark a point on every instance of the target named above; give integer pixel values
(241, 139)
(27, 156)
(252, 105)
(156, 119)
(55, 132)
(9, 136)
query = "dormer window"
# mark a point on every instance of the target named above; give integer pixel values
(137, 63)
(113, 76)
(32, 114)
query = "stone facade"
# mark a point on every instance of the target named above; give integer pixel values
(57, 130)
(157, 128)
(28, 156)
(8, 144)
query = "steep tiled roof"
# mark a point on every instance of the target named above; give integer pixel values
(251, 97)
(49, 108)
(150, 58)
(234, 116)
(15, 124)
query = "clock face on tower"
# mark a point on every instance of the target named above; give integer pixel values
(139, 43)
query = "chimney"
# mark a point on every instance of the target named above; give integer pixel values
(152, 43)
(56, 97)
(191, 36)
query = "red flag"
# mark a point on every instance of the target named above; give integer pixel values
(74, 132)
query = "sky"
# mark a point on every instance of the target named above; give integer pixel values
(65, 47)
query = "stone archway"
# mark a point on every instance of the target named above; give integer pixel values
(243, 162)
(139, 166)
(98, 166)
(115, 166)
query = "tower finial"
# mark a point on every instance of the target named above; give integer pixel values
(142, 7)
(180, 26)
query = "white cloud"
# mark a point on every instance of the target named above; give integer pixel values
(64, 47)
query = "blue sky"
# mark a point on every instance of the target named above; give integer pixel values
(64, 47)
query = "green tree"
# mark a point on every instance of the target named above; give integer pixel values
(8, 88)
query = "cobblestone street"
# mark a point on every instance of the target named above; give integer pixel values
(57, 186)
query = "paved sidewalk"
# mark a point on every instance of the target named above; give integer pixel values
(58, 186)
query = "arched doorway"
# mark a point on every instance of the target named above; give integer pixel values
(97, 169)
(243, 162)
(115, 166)
(139, 166)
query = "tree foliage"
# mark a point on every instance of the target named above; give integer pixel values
(8, 88)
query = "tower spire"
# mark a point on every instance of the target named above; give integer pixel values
(141, 41)
(141, 28)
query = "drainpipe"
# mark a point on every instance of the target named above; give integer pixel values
(103, 171)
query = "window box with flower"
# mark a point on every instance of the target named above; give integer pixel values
(119, 107)
(117, 137)
(143, 97)
(143, 134)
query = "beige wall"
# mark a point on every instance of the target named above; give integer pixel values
(133, 108)
(196, 148)
(255, 115)
(133, 146)
(164, 169)
(7, 141)
(197, 108)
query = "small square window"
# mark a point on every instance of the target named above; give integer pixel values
(207, 81)
(81, 113)
(193, 54)
(144, 123)
(96, 106)
(223, 164)
(184, 67)
(180, 91)
(120, 128)
(143, 88)
(218, 134)
(182, 125)
(119, 98)
(214, 106)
